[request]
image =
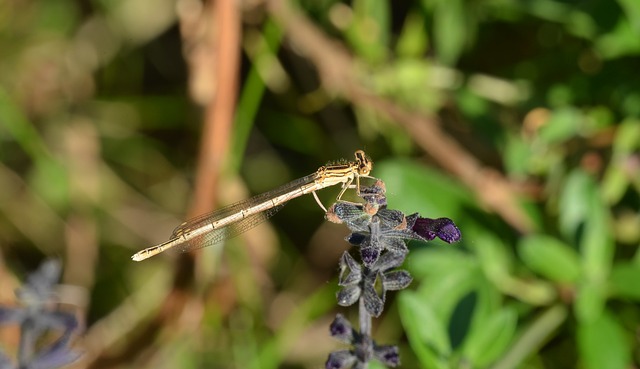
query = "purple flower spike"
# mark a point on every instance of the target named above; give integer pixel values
(443, 228)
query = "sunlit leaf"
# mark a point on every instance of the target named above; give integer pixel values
(413, 41)
(550, 258)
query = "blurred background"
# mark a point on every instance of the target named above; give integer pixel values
(517, 119)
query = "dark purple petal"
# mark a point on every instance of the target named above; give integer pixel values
(340, 360)
(388, 355)
(443, 228)
(341, 329)
(369, 255)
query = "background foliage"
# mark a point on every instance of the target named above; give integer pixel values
(517, 119)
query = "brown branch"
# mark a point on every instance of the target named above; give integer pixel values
(220, 109)
(336, 69)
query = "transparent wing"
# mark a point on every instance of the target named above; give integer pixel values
(244, 223)
(225, 233)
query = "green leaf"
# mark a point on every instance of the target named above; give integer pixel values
(437, 261)
(590, 301)
(632, 11)
(487, 341)
(427, 335)
(516, 156)
(563, 125)
(616, 178)
(623, 40)
(450, 27)
(369, 32)
(624, 281)
(413, 41)
(443, 291)
(602, 344)
(50, 180)
(574, 202)
(550, 258)
(597, 245)
(493, 257)
(414, 187)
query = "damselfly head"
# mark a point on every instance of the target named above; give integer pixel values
(364, 163)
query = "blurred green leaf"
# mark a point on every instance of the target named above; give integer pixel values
(426, 333)
(534, 335)
(596, 242)
(412, 187)
(616, 179)
(574, 202)
(472, 104)
(623, 40)
(625, 281)
(550, 258)
(413, 41)
(444, 291)
(450, 27)
(596, 248)
(50, 180)
(57, 16)
(603, 345)
(487, 341)
(16, 123)
(627, 137)
(590, 301)
(516, 156)
(296, 126)
(401, 79)
(632, 11)
(564, 124)
(369, 32)
(494, 259)
(424, 263)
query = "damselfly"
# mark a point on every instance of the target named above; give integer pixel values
(214, 227)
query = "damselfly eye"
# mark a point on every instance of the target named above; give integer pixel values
(364, 163)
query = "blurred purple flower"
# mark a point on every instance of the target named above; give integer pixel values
(35, 318)
(363, 348)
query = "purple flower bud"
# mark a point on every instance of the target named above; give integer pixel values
(443, 228)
